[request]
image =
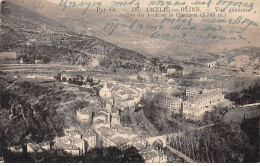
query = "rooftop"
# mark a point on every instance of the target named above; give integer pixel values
(120, 141)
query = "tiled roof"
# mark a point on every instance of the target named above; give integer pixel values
(86, 134)
(35, 147)
(120, 141)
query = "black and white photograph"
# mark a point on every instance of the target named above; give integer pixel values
(129, 81)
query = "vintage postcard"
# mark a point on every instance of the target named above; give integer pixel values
(129, 81)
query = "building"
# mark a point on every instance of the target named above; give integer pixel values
(195, 108)
(91, 139)
(33, 148)
(16, 148)
(145, 75)
(170, 103)
(170, 71)
(212, 64)
(36, 61)
(21, 61)
(122, 143)
(71, 145)
(71, 132)
(2, 160)
(192, 92)
(105, 92)
(8, 55)
(115, 117)
(84, 115)
(205, 100)
(100, 115)
(150, 155)
(133, 77)
(45, 145)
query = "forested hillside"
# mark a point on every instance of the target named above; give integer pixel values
(28, 113)
(33, 36)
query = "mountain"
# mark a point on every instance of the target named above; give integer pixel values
(92, 23)
(34, 36)
(247, 58)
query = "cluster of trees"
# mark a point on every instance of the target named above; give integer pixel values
(246, 96)
(96, 155)
(28, 113)
(164, 66)
(77, 80)
(214, 116)
(158, 116)
(220, 143)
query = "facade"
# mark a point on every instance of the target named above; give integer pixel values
(150, 155)
(170, 103)
(170, 71)
(45, 145)
(84, 115)
(195, 108)
(16, 149)
(33, 148)
(205, 100)
(91, 139)
(192, 92)
(105, 92)
(212, 64)
(74, 146)
(21, 61)
(2, 160)
(37, 61)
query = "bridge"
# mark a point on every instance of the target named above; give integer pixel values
(165, 139)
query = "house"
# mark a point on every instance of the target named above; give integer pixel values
(100, 116)
(211, 64)
(133, 77)
(162, 157)
(72, 133)
(91, 139)
(170, 71)
(2, 160)
(8, 55)
(84, 115)
(21, 61)
(16, 148)
(45, 145)
(74, 146)
(36, 61)
(115, 117)
(121, 142)
(150, 155)
(33, 148)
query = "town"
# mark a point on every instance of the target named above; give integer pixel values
(68, 95)
(111, 98)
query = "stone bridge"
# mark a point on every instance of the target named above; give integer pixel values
(168, 137)
(162, 138)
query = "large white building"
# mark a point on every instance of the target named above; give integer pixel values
(84, 115)
(170, 103)
(205, 100)
(192, 92)
(195, 108)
